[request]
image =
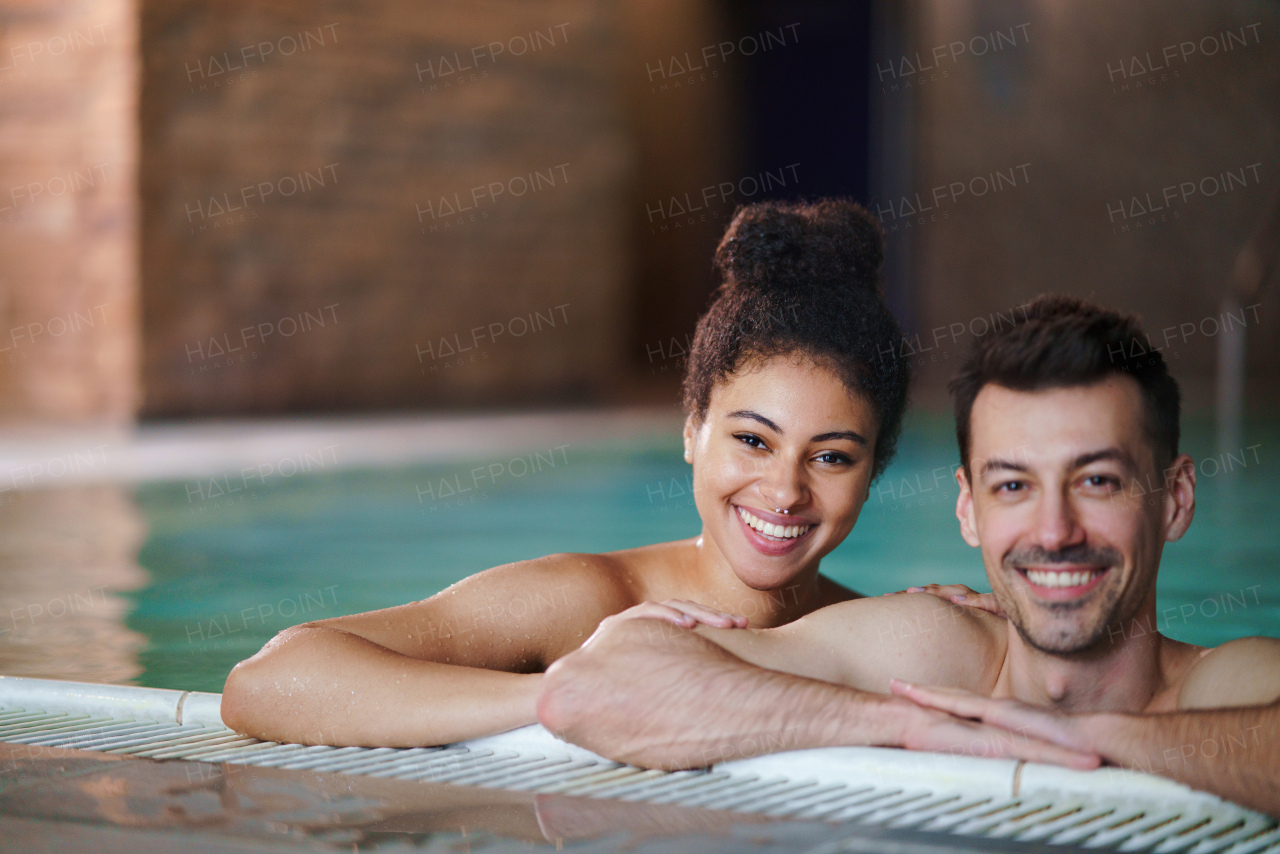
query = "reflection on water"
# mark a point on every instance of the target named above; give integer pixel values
(66, 555)
(106, 802)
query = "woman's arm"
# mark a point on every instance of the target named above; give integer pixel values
(461, 664)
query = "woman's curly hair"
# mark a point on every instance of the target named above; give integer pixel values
(803, 277)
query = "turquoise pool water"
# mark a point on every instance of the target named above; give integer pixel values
(229, 569)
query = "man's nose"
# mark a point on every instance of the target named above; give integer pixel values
(1057, 525)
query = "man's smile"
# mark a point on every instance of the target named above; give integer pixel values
(1061, 583)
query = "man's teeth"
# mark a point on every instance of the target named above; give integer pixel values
(1041, 578)
(777, 532)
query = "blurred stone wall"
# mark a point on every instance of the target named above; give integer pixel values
(1061, 128)
(387, 205)
(68, 268)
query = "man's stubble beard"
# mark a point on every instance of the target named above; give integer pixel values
(1082, 639)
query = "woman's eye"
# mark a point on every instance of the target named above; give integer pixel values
(833, 458)
(750, 439)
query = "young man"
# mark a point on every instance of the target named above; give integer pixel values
(1071, 483)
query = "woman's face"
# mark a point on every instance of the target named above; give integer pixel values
(781, 434)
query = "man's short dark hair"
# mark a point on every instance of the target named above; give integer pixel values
(1058, 342)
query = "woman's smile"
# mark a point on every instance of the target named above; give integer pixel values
(771, 533)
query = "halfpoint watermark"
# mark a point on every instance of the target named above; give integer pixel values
(710, 203)
(241, 347)
(905, 73)
(447, 212)
(444, 352)
(1136, 73)
(224, 212)
(230, 489)
(1137, 213)
(936, 204)
(469, 487)
(473, 65)
(240, 64)
(690, 68)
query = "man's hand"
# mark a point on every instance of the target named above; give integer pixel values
(960, 594)
(959, 722)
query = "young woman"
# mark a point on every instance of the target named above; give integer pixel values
(793, 409)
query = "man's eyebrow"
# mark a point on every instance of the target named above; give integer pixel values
(1114, 454)
(840, 434)
(756, 416)
(997, 464)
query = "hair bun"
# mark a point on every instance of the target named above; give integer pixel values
(782, 246)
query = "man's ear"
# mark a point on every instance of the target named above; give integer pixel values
(1179, 497)
(964, 510)
(688, 438)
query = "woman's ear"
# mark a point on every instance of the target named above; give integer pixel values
(688, 439)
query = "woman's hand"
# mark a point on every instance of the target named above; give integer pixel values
(960, 594)
(678, 612)
(682, 612)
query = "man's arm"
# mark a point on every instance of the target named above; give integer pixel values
(647, 692)
(1232, 750)
(1233, 753)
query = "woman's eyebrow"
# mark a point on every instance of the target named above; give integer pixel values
(756, 416)
(821, 437)
(840, 434)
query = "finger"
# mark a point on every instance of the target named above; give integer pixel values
(982, 601)
(1017, 717)
(1003, 744)
(950, 700)
(661, 611)
(1008, 715)
(961, 737)
(707, 615)
(946, 591)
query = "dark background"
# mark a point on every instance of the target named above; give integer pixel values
(136, 91)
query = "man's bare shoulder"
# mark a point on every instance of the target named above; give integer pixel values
(1242, 672)
(866, 642)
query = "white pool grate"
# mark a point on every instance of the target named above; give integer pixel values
(887, 788)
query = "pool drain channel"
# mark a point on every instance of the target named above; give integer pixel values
(868, 786)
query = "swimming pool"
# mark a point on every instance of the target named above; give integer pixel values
(231, 562)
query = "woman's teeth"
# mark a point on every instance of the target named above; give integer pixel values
(1041, 578)
(768, 529)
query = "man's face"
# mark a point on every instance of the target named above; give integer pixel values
(1065, 499)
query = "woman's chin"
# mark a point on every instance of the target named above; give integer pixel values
(777, 574)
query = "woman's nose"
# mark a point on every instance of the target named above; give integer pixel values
(783, 484)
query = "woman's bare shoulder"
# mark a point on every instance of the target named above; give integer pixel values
(831, 591)
(595, 583)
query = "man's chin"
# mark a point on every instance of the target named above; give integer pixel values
(1072, 639)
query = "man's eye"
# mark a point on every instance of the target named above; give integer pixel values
(750, 439)
(1011, 486)
(1101, 480)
